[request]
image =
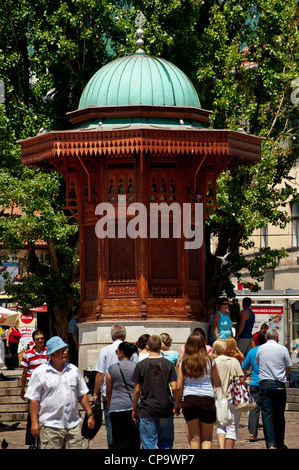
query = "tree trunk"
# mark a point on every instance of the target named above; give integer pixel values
(59, 314)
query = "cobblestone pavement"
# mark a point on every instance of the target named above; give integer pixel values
(15, 438)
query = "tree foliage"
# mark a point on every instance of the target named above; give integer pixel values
(247, 62)
(36, 222)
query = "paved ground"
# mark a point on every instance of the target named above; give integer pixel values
(15, 438)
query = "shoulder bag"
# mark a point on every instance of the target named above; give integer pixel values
(241, 398)
(223, 413)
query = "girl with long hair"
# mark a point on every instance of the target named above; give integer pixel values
(195, 397)
(232, 349)
(166, 351)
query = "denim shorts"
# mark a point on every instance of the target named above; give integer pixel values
(156, 432)
(202, 408)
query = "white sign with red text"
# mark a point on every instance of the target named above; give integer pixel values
(273, 315)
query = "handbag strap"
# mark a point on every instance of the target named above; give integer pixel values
(231, 376)
(125, 381)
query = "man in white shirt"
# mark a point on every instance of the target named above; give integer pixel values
(274, 364)
(107, 357)
(54, 390)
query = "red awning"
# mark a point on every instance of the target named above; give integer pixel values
(42, 308)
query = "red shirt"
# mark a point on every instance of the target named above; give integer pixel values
(14, 336)
(255, 338)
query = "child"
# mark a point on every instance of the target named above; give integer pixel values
(152, 377)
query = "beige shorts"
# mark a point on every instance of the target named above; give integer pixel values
(53, 438)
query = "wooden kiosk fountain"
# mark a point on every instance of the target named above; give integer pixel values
(139, 136)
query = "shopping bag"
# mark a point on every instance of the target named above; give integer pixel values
(241, 398)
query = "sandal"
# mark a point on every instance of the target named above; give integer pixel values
(252, 438)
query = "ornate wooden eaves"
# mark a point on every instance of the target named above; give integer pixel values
(239, 146)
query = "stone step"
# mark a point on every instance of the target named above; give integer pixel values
(292, 407)
(14, 407)
(292, 391)
(5, 384)
(12, 417)
(292, 399)
(15, 399)
(291, 415)
(13, 391)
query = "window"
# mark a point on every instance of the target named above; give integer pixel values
(121, 184)
(264, 236)
(295, 224)
(163, 187)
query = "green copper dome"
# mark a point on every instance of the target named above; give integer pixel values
(139, 79)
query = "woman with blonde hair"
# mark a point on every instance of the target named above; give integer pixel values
(166, 351)
(219, 347)
(233, 350)
(197, 377)
(228, 369)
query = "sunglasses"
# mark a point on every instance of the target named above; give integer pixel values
(62, 351)
(39, 339)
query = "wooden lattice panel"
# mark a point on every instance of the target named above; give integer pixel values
(124, 289)
(164, 256)
(121, 259)
(164, 291)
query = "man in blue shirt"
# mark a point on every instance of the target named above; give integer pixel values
(248, 363)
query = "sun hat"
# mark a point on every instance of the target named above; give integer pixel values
(54, 344)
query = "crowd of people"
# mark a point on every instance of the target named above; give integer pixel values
(144, 384)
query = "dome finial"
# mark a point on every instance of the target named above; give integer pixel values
(140, 21)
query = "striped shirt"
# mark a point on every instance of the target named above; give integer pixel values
(32, 359)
